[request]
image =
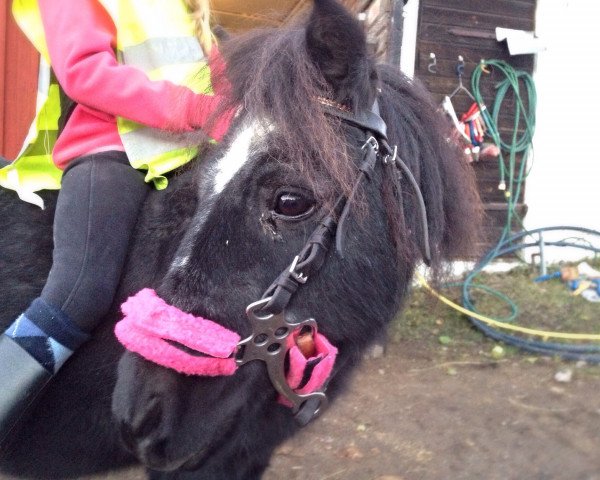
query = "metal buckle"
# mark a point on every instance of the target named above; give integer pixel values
(387, 160)
(298, 276)
(371, 142)
(268, 343)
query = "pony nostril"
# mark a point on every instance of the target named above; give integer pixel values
(144, 426)
(149, 450)
(148, 421)
(153, 453)
(127, 437)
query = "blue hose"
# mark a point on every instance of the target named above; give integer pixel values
(588, 353)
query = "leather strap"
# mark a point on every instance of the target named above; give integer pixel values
(368, 120)
(308, 261)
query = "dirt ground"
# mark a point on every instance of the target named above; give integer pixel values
(431, 413)
(447, 403)
(414, 416)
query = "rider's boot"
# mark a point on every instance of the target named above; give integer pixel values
(32, 350)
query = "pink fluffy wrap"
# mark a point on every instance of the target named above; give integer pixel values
(150, 326)
(150, 323)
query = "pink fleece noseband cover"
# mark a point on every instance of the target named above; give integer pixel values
(149, 323)
(153, 329)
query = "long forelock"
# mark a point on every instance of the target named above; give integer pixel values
(272, 76)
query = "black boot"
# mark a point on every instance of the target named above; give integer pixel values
(32, 350)
(22, 379)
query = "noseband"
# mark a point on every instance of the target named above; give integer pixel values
(270, 322)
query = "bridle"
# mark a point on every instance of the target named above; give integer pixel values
(193, 345)
(271, 324)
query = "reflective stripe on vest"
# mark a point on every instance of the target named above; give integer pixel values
(156, 36)
(166, 49)
(34, 169)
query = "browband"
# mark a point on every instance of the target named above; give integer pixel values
(367, 120)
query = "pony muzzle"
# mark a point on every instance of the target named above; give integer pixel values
(191, 345)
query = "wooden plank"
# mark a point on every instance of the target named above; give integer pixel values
(20, 86)
(473, 52)
(433, 32)
(489, 192)
(488, 187)
(475, 20)
(513, 8)
(488, 169)
(396, 30)
(496, 213)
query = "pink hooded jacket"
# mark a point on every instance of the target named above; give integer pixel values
(81, 39)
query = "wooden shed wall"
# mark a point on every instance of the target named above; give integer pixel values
(18, 84)
(449, 28)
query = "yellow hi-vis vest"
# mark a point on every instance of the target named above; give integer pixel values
(156, 36)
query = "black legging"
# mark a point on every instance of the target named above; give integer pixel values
(96, 211)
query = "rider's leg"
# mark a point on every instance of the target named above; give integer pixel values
(95, 214)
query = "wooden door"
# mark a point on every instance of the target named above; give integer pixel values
(18, 84)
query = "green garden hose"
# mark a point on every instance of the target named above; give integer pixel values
(511, 181)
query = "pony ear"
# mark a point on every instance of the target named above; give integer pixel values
(337, 45)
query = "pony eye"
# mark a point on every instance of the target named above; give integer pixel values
(293, 204)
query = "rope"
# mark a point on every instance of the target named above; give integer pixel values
(512, 82)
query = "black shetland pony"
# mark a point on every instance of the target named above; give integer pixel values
(223, 231)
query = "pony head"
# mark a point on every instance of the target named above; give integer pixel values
(291, 166)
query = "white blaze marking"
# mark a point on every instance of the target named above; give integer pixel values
(234, 158)
(247, 141)
(180, 262)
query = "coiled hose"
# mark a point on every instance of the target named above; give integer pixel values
(511, 181)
